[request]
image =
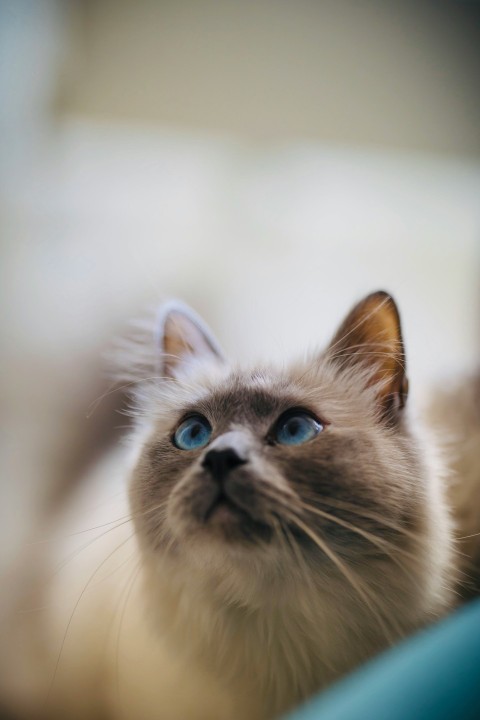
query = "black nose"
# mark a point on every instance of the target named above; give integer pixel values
(220, 462)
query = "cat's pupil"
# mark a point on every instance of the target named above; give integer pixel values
(293, 427)
(194, 430)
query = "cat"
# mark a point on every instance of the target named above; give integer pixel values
(263, 532)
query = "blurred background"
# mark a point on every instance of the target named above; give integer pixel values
(267, 161)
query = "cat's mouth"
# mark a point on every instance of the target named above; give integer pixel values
(233, 518)
(225, 509)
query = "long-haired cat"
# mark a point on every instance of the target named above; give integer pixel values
(283, 524)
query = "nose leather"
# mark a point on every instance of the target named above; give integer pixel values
(220, 461)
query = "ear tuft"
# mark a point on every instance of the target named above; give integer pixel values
(183, 337)
(371, 336)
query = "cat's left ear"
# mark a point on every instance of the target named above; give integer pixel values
(183, 339)
(371, 337)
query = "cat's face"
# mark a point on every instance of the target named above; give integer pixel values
(308, 465)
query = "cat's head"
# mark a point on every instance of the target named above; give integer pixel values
(279, 471)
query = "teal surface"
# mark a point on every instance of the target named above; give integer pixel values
(434, 675)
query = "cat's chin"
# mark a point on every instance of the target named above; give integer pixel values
(226, 524)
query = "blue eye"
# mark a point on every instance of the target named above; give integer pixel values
(193, 433)
(296, 429)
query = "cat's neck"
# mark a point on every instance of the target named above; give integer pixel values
(279, 651)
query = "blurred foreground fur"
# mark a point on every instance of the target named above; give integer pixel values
(455, 414)
(262, 533)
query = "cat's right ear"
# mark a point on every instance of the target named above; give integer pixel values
(183, 339)
(371, 337)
